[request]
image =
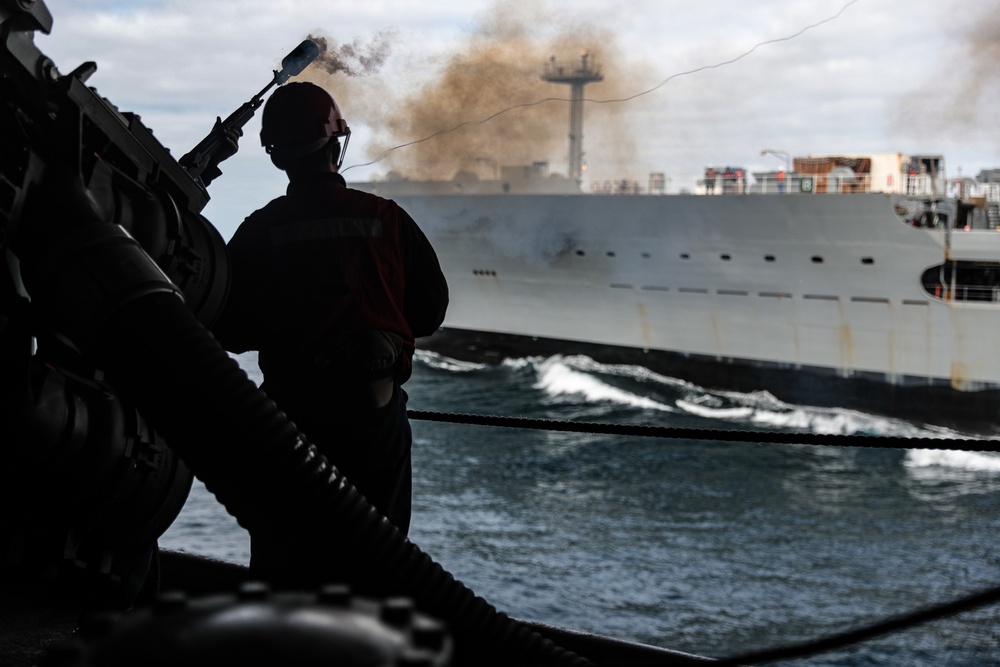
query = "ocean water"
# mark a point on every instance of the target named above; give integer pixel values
(699, 546)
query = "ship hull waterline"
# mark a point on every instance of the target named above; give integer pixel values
(818, 299)
(925, 404)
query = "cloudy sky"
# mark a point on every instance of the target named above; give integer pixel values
(685, 84)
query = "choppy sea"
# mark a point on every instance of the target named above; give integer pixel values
(712, 548)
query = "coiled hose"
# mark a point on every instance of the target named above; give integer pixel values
(262, 469)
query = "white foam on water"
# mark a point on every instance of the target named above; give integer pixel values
(760, 408)
(826, 421)
(556, 378)
(442, 363)
(639, 373)
(518, 363)
(768, 411)
(709, 412)
(579, 375)
(955, 460)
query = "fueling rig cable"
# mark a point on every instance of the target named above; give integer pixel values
(850, 637)
(717, 435)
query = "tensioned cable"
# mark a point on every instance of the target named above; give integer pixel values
(670, 78)
(858, 635)
(717, 435)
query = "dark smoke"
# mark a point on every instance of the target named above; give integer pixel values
(500, 67)
(959, 95)
(441, 124)
(354, 59)
(981, 81)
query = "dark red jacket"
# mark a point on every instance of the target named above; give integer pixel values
(322, 262)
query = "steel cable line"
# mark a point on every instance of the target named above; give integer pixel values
(856, 636)
(717, 435)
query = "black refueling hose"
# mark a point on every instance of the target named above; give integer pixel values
(248, 454)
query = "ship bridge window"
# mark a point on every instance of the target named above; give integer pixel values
(868, 261)
(611, 253)
(725, 258)
(816, 259)
(963, 281)
(684, 255)
(768, 258)
(580, 253)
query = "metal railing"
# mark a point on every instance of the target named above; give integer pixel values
(991, 191)
(977, 293)
(826, 183)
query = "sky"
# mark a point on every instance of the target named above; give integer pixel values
(433, 88)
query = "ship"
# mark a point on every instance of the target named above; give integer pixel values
(114, 396)
(867, 282)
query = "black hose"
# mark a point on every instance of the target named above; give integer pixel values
(263, 470)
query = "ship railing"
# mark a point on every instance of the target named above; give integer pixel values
(808, 184)
(921, 185)
(960, 292)
(724, 185)
(989, 191)
(617, 187)
(979, 293)
(915, 185)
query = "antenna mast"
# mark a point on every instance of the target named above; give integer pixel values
(576, 76)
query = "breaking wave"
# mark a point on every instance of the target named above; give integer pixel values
(918, 460)
(440, 362)
(556, 378)
(662, 400)
(585, 377)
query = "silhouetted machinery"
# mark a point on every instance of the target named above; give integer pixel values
(114, 393)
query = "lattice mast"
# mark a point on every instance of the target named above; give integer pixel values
(576, 76)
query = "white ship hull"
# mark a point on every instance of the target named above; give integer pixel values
(797, 288)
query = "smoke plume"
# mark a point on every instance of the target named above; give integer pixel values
(487, 106)
(490, 108)
(957, 92)
(354, 59)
